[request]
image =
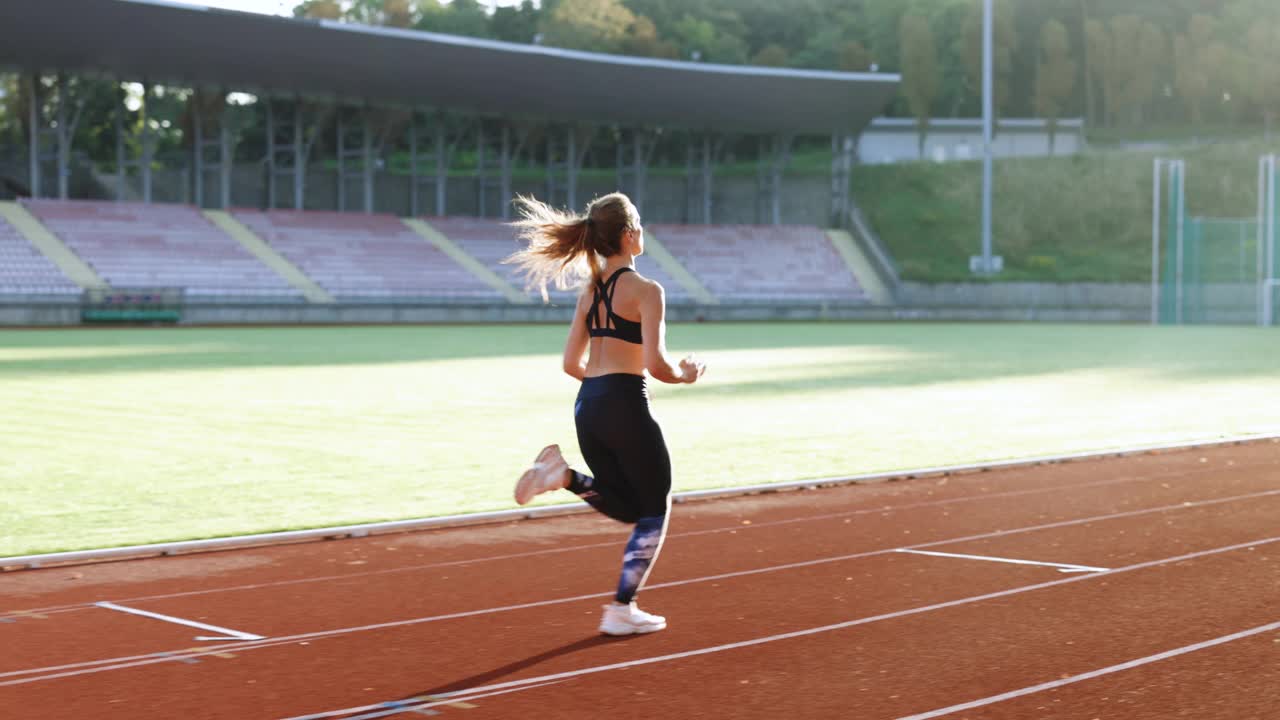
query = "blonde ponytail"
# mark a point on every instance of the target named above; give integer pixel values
(565, 248)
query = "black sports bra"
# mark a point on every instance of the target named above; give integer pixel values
(614, 327)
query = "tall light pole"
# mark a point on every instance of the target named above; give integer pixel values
(988, 102)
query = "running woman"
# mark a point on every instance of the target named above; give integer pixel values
(620, 320)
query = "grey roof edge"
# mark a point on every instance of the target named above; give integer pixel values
(563, 53)
(630, 60)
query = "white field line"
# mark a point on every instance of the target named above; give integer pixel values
(116, 663)
(362, 530)
(226, 634)
(1062, 567)
(1095, 673)
(57, 609)
(396, 707)
(850, 623)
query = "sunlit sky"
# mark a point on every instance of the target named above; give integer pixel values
(282, 7)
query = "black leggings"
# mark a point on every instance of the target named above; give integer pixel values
(623, 446)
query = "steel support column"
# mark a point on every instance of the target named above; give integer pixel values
(495, 155)
(571, 170)
(65, 135)
(443, 157)
(120, 155)
(773, 160)
(148, 143)
(437, 160)
(197, 148)
(842, 147)
(367, 161)
(363, 151)
(635, 165)
(33, 132)
(286, 151)
(299, 158)
(504, 185)
(225, 157)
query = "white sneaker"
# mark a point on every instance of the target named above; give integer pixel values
(629, 620)
(549, 472)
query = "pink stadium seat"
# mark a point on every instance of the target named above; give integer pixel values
(491, 241)
(357, 256)
(25, 271)
(154, 246)
(762, 263)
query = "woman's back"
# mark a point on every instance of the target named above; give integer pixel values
(613, 312)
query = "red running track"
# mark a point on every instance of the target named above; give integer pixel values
(1155, 598)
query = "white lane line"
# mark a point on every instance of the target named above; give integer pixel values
(590, 546)
(852, 623)
(411, 705)
(129, 660)
(1095, 673)
(1062, 567)
(226, 634)
(151, 660)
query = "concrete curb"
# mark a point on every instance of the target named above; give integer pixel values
(28, 562)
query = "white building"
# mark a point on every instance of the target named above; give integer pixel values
(892, 140)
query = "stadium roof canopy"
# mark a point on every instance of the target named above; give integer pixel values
(147, 40)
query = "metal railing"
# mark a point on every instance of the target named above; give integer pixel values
(881, 261)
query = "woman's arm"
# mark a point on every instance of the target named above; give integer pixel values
(575, 347)
(653, 325)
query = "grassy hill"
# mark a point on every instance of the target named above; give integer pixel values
(1071, 219)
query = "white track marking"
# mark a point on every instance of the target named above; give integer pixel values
(226, 634)
(850, 623)
(1095, 673)
(412, 705)
(151, 659)
(591, 546)
(1062, 567)
(673, 583)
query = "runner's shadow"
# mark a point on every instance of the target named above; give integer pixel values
(489, 676)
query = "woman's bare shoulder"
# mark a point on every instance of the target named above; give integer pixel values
(647, 285)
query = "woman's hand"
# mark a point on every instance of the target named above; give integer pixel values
(691, 369)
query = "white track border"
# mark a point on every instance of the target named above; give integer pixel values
(28, 562)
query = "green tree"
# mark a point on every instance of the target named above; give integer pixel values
(1193, 61)
(1150, 63)
(459, 17)
(853, 57)
(771, 55)
(919, 71)
(387, 13)
(1055, 75)
(1262, 82)
(700, 39)
(319, 10)
(515, 24)
(1098, 52)
(594, 25)
(1121, 68)
(642, 40)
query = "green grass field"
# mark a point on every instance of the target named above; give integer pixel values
(124, 436)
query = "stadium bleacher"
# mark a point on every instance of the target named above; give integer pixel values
(25, 271)
(755, 263)
(364, 257)
(135, 245)
(358, 257)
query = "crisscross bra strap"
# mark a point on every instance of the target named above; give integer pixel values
(614, 326)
